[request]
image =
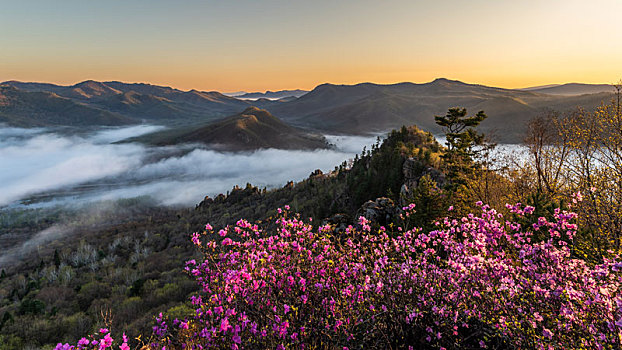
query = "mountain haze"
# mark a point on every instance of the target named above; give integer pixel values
(368, 107)
(275, 95)
(573, 89)
(345, 109)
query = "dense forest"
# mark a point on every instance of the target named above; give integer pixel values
(412, 243)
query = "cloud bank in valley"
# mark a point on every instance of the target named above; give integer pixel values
(50, 161)
(11, 254)
(76, 169)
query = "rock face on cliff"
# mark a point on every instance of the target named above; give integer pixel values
(339, 221)
(413, 170)
(381, 211)
(248, 194)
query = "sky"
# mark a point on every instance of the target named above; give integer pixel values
(254, 45)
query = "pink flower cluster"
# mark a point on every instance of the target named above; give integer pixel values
(475, 281)
(101, 342)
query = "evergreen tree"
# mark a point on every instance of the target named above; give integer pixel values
(462, 140)
(56, 258)
(430, 203)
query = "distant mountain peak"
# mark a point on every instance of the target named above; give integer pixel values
(89, 82)
(252, 129)
(253, 109)
(91, 88)
(447, 81)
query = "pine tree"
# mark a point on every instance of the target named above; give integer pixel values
(56, 258)
(462, 140)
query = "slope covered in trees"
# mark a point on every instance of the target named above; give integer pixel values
(129, 267)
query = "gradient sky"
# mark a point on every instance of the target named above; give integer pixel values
(258, 45)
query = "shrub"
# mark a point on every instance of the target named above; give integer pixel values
(473, 282)
(477, 281)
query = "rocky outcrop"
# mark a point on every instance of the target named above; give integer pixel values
(413, 170)
(339, 221)
(239, 194)
(317, 173)
(236, 195)
(381, 211)
(206, 202)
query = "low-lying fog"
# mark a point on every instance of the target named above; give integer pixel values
(41, 167)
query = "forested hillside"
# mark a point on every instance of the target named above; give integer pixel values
(409, 244)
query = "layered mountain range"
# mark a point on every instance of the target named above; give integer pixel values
(345, 109)
(271, 95)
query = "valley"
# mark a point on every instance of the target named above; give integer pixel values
(96, 212)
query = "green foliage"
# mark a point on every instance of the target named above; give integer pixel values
(379, 172)
(179, 312)
(56, 258)
(32, 307)
(11, 342)
(76, 325)
(430, 204)
(91, 291)
(6, 319)
(129, 308)
(136, 287)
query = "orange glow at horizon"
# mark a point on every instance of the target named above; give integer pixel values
(288, 80)
(252, 46)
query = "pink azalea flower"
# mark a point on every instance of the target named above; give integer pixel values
(224, 324)
(105, 342)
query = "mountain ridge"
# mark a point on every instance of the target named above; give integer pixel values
(42, 108)
(362, 108)
(367, 107)
(274, 95)
(573, 89)
(135, 102)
